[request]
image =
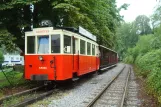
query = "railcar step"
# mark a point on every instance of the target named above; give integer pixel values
(108, 67)
(75, 79)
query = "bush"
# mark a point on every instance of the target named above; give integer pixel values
(1, 58)
(150, 68)
(19, 68)
(129, 59)
(154, 84)
(148, 62)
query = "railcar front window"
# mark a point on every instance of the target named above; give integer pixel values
(43, 45)
(31, 44)
(55, 43)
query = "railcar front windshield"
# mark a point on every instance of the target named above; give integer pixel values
(43, 45)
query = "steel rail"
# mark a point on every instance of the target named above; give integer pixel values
(90, 104)
(125, 89)
(20, 93)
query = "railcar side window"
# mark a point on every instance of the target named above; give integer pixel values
(88, 48)
(43, 45)
(93, 49)
(82, 47)
(31, 44)
(55, 43)
(67, 44)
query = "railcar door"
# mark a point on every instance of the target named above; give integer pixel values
(75, 54)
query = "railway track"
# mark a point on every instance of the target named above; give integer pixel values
(131, 97)
(27, 97)
(19, 94)
(113, 94)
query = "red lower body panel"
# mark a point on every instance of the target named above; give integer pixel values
(58, 67)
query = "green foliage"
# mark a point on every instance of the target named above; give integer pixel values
(147, 58)
(7, 39)
(101, 17)
(16, 79)
(129, 59)
(19, 68)
(128, 34)
(144, 45)
(142, 25)
(1, 58)
(155, 18)
(126, 37)
(145, 52)
(149, 61)
(154, 84)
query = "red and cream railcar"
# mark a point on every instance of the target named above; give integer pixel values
(59, 54)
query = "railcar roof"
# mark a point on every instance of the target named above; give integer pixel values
(74, 30)
(70, 29)
(108, 48)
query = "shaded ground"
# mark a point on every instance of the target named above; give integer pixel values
(18, 88)
(10, 91)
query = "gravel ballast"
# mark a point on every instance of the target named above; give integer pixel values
(77, 95)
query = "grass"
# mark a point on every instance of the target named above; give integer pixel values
(14, 100)
(14, 78)
(17, 82)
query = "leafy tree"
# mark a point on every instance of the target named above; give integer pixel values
(142, 24)
(126, 37)
(101, 17)
(128, 34)
(155, 18)
(145, 44)
(14, 16)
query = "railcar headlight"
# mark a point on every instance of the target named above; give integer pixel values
(40, 58)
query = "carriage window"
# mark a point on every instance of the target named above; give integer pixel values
(67, 44)
(12, 58)
(82, 47)
(93, 49)
(55, 43)
(43, 45)
(31, 44)
(20, 58)
(88, 48)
